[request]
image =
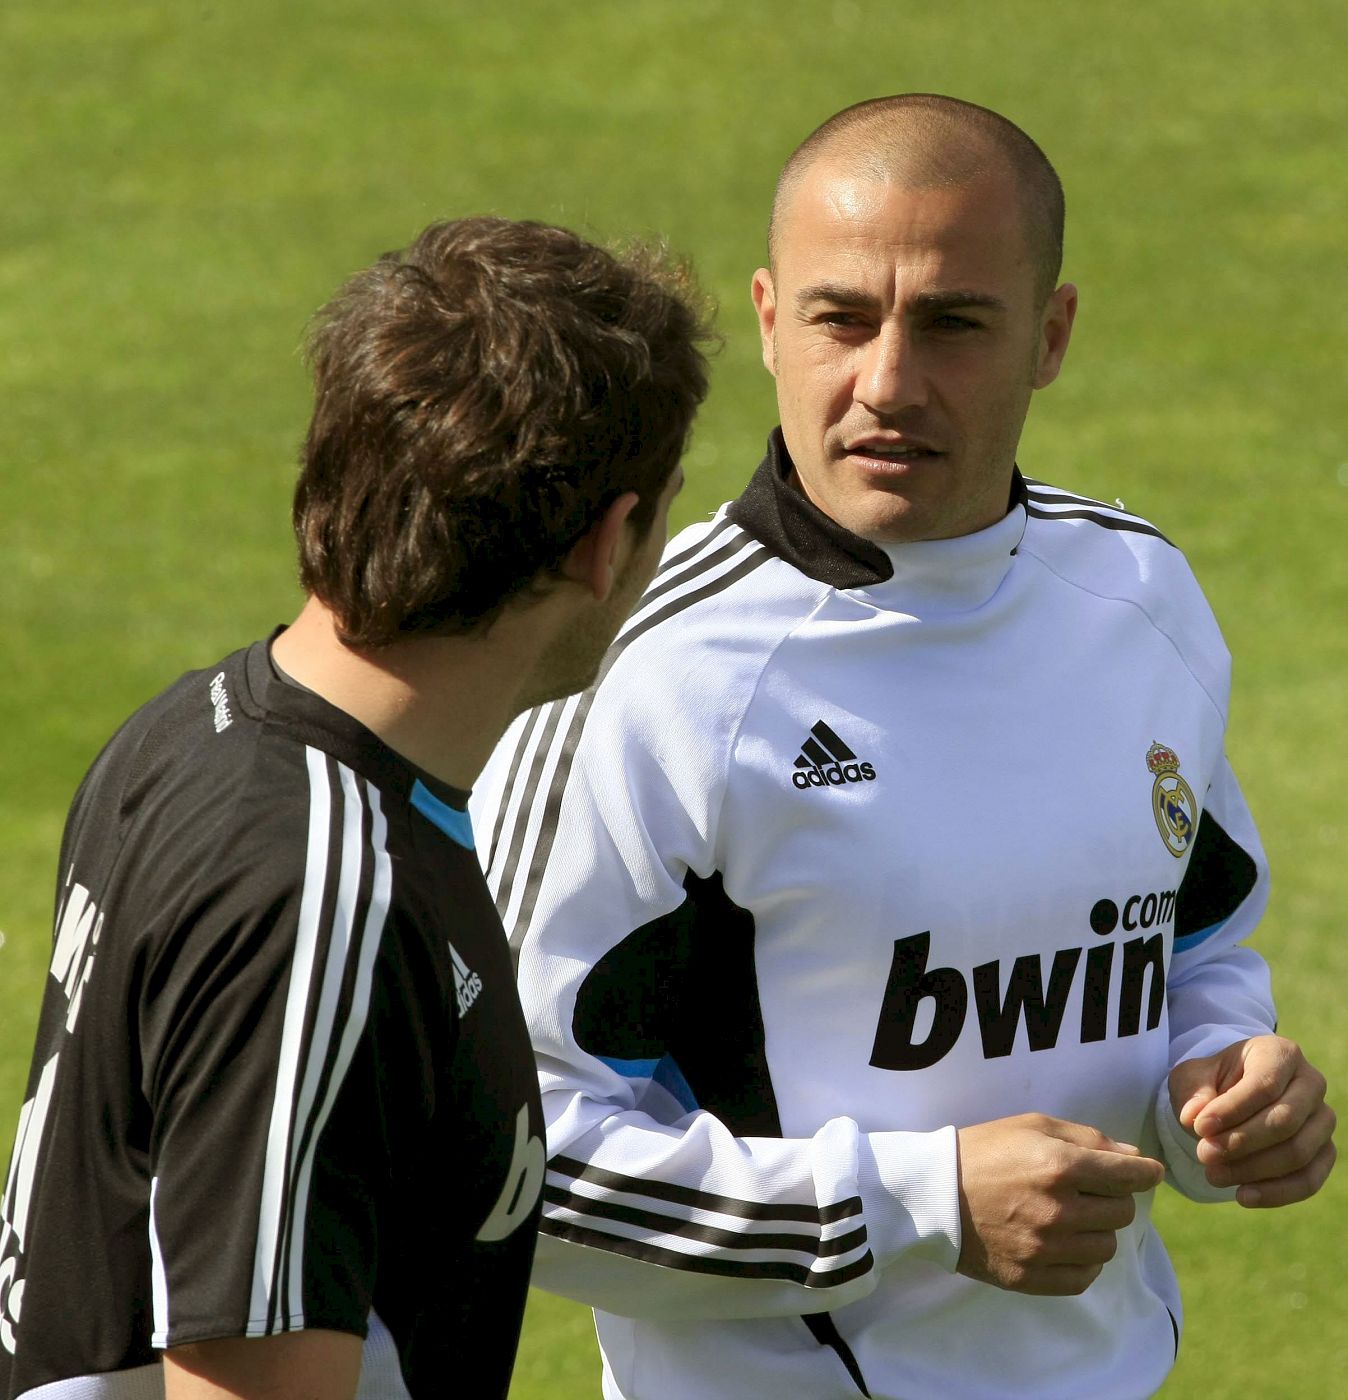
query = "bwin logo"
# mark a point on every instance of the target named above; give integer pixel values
(825, 761)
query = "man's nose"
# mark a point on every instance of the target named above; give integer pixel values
(890, 374)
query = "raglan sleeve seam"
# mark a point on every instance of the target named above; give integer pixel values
(769, 657)
(1181, 654)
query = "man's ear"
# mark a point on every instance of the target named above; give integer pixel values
(765, 303)
(1055, 330)
(595, 560)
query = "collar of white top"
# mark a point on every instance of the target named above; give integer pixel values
(941, 577)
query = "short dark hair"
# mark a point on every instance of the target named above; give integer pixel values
(481, 397)
(925, 139)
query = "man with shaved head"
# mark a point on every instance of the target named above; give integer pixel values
(920, 140)
(881, 912)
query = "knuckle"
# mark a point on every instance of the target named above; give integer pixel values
(1282, 1119)
(1037, 1222)
(1053, 1162)
(1053, 1216)
(1268, 1079)
(1067, 1160)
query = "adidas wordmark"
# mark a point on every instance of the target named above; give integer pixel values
(825, 761)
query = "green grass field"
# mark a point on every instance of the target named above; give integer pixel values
(183, 183)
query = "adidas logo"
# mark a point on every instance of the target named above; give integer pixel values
(825, 761)
(467, 984)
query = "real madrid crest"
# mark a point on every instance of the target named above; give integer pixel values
(1172, 800)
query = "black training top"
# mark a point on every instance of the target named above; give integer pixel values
(281, 1078)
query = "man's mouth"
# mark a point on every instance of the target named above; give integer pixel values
(898, 452)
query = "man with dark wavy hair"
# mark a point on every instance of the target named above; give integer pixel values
(282, 1134)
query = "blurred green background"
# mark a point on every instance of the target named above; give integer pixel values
(182, 184)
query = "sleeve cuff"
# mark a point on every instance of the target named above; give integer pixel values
(1179, 1148)
(910, 1189)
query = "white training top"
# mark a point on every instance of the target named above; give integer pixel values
(849, 848)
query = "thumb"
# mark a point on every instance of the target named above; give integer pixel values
(1192, 1087)
(1194, 1105)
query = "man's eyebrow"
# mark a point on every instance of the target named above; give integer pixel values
(836, 294)
(956, 300)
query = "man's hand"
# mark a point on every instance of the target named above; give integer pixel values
(1258, 1110)
(1041, 1200)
